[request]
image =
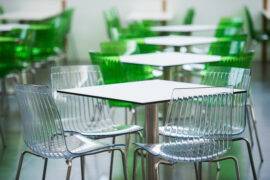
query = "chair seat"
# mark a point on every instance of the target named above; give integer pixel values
(185, 151)
(76, 144)
(190, 132)
(116, 130)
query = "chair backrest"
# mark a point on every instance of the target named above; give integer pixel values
(238, 78)
(228, 45)
(229, 26)
(119, 47)
(200, 123)
(112, 21)
(250, 23)
(242, 60)
(41, 123)
(79, 113)
(189, 17)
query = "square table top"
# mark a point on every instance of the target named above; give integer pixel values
(10, 27)
(151, 16)
(184, 28)
(142, 92)
(28, 15)
(168, 59)
(179, 41)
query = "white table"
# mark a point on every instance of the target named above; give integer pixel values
(28, 16)
(147, 93)
(168, 59)
(151, 16)
(184, 28)
(10, 27)
(179, 41)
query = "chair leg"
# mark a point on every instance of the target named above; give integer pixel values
(2, 137)
(124, 164)
(142, 156)
(200, 170)
(135, 163)
(196, 170)
(252, 114)
(250, 156)
(20, 165)
(44, 168)
(236, 166)
(250, 126)
(158, 163)
(69, 164)
(112, 158)
(82, 159)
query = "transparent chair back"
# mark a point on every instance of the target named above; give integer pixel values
(79, 113)
(238, 78)
(41, 123)
(197, 127)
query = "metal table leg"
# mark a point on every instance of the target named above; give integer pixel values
(151, 137)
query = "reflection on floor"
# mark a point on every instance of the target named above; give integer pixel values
(97, 167)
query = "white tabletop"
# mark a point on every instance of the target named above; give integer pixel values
(179, 40)
(152, 16)
(9, 27)
(183, 28)
(142, 92)
(166, 59)
(266, 13)
(28, 15)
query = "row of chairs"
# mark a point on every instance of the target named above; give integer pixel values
(26, 49)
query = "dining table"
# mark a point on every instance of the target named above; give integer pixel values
(148, 93)
(28, 16)
(177, 41)
(183, 28)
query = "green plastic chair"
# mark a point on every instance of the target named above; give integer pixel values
(2, 10)
(229, 26)
(189, 17)
(254, 34)
(8, 61)
(228, 45)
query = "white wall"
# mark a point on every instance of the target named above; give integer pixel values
(89, 28)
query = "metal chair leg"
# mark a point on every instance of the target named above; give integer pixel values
(158, 163)
(44, 168)
(200, 170)
(124, 164)
(252, 114)
(82, 160)
(135, 163)
(250, 156)
(20, 165)
(142, 156)
(112, 158)
(69, 164)
(2, 137)
(250, 126)
(236, 166)
(196, 170)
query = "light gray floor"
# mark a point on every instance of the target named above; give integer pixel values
(97, 166)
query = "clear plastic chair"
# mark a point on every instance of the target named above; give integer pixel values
(239, 78)
(88, 116)
(197, 128)
(44, 133)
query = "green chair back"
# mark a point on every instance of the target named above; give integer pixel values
(229, 27)
(242, 60)
(228, 45)
(112, 21)
(250, 23)
(8, 60)
(2, 11)
(189, 17)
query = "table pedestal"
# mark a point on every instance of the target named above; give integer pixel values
(151, 137)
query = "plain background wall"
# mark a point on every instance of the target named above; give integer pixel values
(89, 28)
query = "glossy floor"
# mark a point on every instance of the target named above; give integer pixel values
(97, 167)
